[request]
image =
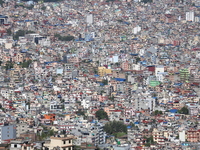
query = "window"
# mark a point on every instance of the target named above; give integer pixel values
(15, 145)
(69, 141)
(64, 142)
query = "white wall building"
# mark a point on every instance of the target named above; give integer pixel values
(190, 16)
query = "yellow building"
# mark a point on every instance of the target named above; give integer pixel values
(103, 71)
(63, 143)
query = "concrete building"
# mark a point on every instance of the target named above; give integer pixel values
(63, 143)
(103, 71)
(7, 132)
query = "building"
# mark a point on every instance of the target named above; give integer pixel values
(3, 19)
(50, 117)
(21, 128)
(7, 132)
(190, 16)
(184, 75)
(193, 135)
(89, 19)
(145, 103)
(103, 71)
(64, 143)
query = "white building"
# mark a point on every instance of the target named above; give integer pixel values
(159, 72)
(145, 103)
(190, 16)
(182, 136)
(89, 19)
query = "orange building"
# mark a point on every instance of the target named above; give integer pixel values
(51, 117)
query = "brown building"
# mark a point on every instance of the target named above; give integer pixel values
(28, 136)
(193, 135)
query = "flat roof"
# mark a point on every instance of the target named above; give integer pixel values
(62, 138)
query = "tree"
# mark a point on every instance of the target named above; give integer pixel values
(137, 59)
(149, 141)
(80, 113)
(147, 1)
(21, 33)
(157, 112)
(114, 127)
(64, 38)
(184, 110)
(26, 64)
(46, 133)
(9, 32)
(30, 7)
(43, 8)
(110, 0)
(9, 65)
(1, 2)
(101, 114)
(105, 82)
(112, 98)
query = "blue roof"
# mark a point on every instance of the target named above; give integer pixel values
(24, 50)
(178, 84)
(120, 79)
(28, 20)
(134, 54)
(93, 121)
(134, 38)
(49, 62)
(136, 122)
(101, 84)
(173, 110)
(96, 75)
(2, 16)
(126, 22)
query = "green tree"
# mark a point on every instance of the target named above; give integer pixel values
(110, 0)
(137, 59)
(9, 65)
(157, 112)
(30, 7)
(64, 38)
(43, 8)
(114, 127)
(95, 71)
(26, 64)
(80, 113)
(112, 98)
(101, 114)
(9, 32)
(184, 110)
(1, 2)
(21, 33)
(149, 141)
(147, 1)
(105, 82)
